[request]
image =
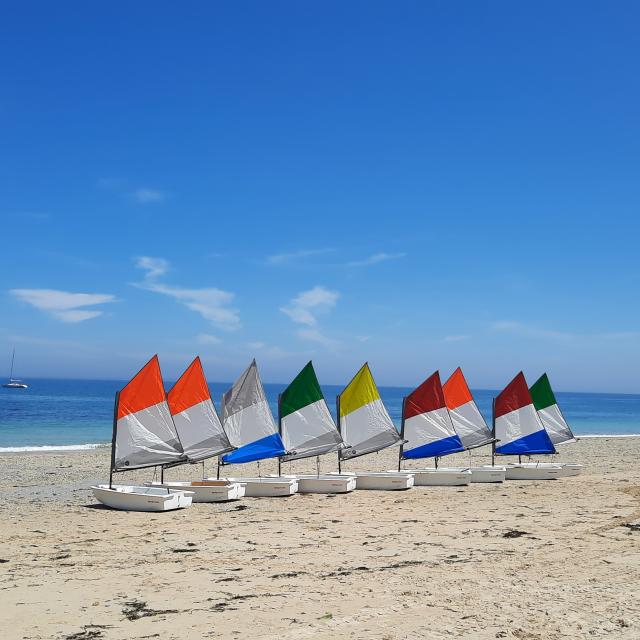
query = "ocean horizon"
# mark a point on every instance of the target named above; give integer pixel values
(69, 414)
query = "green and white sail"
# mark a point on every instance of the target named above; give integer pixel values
(306, 426)
(545, 403)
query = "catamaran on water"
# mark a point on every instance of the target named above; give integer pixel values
(519, 431)
(308, 430)
(201, 436)
(143, 436)
(248, 422)
(365, 426)
(427, 432)
(13, 383)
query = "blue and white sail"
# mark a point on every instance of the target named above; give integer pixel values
(248, 421)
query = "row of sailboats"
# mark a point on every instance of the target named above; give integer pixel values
(153, 428)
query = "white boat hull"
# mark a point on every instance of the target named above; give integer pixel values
(441, 477)
(488, 473)
(206, 490)
(533, 471)
(568, 468)
(135, 498)
(325, 483)
(274, 487)
(380, 481)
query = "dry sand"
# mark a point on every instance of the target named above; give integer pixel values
(426, 563)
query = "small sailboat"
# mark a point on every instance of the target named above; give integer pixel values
(307, 430)
(201, 436)
(544, 400)
(470, 425)
(13, 383)
(143, 436)
(248, 422)
(519, 431)
(365, 426)
(428, 432)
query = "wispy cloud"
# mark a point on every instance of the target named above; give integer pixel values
(64, 305)
(145, 195)
(529, 331)
(211, 303)
(285, 258)
(206, 338)
(459, 338)
(305, 308)
(256, 345)
(376, 258)
(306, 305)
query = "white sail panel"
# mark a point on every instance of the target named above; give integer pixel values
(555, 424)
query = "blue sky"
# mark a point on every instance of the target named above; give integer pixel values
(417, 184)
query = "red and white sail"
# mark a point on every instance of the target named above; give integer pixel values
(195, 417)
(145, 435)
(465, 415)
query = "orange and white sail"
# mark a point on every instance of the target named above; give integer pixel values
(465, 415)
(144, 433)
(194, 415)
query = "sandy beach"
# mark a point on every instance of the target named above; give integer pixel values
(528, 560)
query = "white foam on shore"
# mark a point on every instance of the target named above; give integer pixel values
(46, 447)
(610, 435)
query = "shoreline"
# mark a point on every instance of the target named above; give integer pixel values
(71, 448)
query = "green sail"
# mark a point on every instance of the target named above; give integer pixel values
(303, 391)
(542, 394)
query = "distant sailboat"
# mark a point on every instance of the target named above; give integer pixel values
(428, 432)
(366, 427)
(470, 425)
(143, 436)
(248, 422)
(307, 430)
(519, 431)
(13, 383)
(201, 436)
(553, 420)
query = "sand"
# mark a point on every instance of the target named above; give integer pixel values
(426, 563)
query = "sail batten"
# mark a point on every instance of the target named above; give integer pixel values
(195, 417)
(145, 434)
(465, 415)
(544, 401)
(518, 428)
(248, 421)
(365, 424)
(428, 430)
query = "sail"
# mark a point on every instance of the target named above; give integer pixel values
(195, 417)
(427, 428)
(545, 403)
(465, 415)
(364, 422)
(247, 420)
(145, 435)
(306, 426)
(517, 425)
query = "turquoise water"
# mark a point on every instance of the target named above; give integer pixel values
(80, 412)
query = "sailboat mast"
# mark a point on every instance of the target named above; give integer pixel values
(279, 431)
(113, 439)
(13, 357)
(339, 430)
(401, 450)
(493, 433)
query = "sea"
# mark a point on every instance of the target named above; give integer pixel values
(78, 414)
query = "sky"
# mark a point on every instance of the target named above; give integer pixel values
(420, 185)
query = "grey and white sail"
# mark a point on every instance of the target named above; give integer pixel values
(248, 421)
